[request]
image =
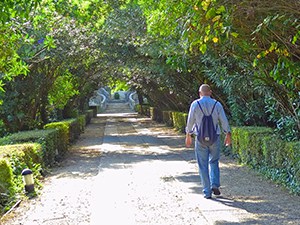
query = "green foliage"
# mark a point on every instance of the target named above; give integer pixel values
(89, 115)
(259, 148)
(10, 37)
(47, 138)
(13, 159)
(179, 121)
(247, 142)
(116, 95)
(241, 46)
(6, 183)
(119, 86)
(63, 89)
(63, 134)
(2, 129)
(6, 176)
(282, 163)
(82, 122)
(247, 50)
(74, 129)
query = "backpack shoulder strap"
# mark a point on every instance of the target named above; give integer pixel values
(213, 107)
(211, 110)
(200, 107)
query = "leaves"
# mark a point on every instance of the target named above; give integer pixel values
(162, 48)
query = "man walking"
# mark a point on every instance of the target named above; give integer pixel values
(207, 154)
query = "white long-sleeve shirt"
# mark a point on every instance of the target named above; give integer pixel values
(195, 115)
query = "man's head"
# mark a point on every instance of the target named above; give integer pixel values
(205, 90)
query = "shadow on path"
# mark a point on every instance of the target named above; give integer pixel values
(127, 169)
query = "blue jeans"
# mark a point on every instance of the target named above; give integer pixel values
(208, 162)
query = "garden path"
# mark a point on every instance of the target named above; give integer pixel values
(126, 169)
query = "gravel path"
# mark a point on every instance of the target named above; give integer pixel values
(129, 170)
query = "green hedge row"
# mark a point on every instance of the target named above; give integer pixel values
(257, 147)
(13, 159)
(54, 138)
(48, 138)
(36, 150)
(264, 151)
(170, 118)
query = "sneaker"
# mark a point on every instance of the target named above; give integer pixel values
(216, 191)
(207, 196)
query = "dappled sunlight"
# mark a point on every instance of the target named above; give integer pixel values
(90, 147)
(129, 170)
(229, 165)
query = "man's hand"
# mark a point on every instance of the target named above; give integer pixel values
(188, 140)
(227, 141)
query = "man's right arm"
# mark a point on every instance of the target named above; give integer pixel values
(225, 126)
(223, 119)
(190, 126)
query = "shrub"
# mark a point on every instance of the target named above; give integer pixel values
(264, 151)
(81, 122)
(179, 120)
(116, 95)
(74, 129)
(13, 159)
(247, 142)
(88, 116)
(47, 138)
(63, 134)
(167, 118)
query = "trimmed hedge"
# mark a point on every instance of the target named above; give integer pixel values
(13, 159)
(171, 118)
(247, 142)
(54, 139)
(36, 150)
(63, 136)
(179, 121)
(74, 129)
(89, 115)
(265, 152)
(48, 138)
(6, 176)
(95, 110)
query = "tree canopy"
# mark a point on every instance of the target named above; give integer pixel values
(54, 54)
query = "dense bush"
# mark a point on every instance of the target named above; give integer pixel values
(259, 148)
(116, 95)
(13, 159)
(63, 134)
(247, 142)
(179, 120)
(47, 138)
(74, 129)
(89, 115)
(50, 145)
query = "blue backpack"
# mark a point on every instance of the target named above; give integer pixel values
(207, 132)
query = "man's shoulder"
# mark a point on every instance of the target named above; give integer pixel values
(207, 99)
(195, 101)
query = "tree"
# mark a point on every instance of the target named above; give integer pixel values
(244, 41)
